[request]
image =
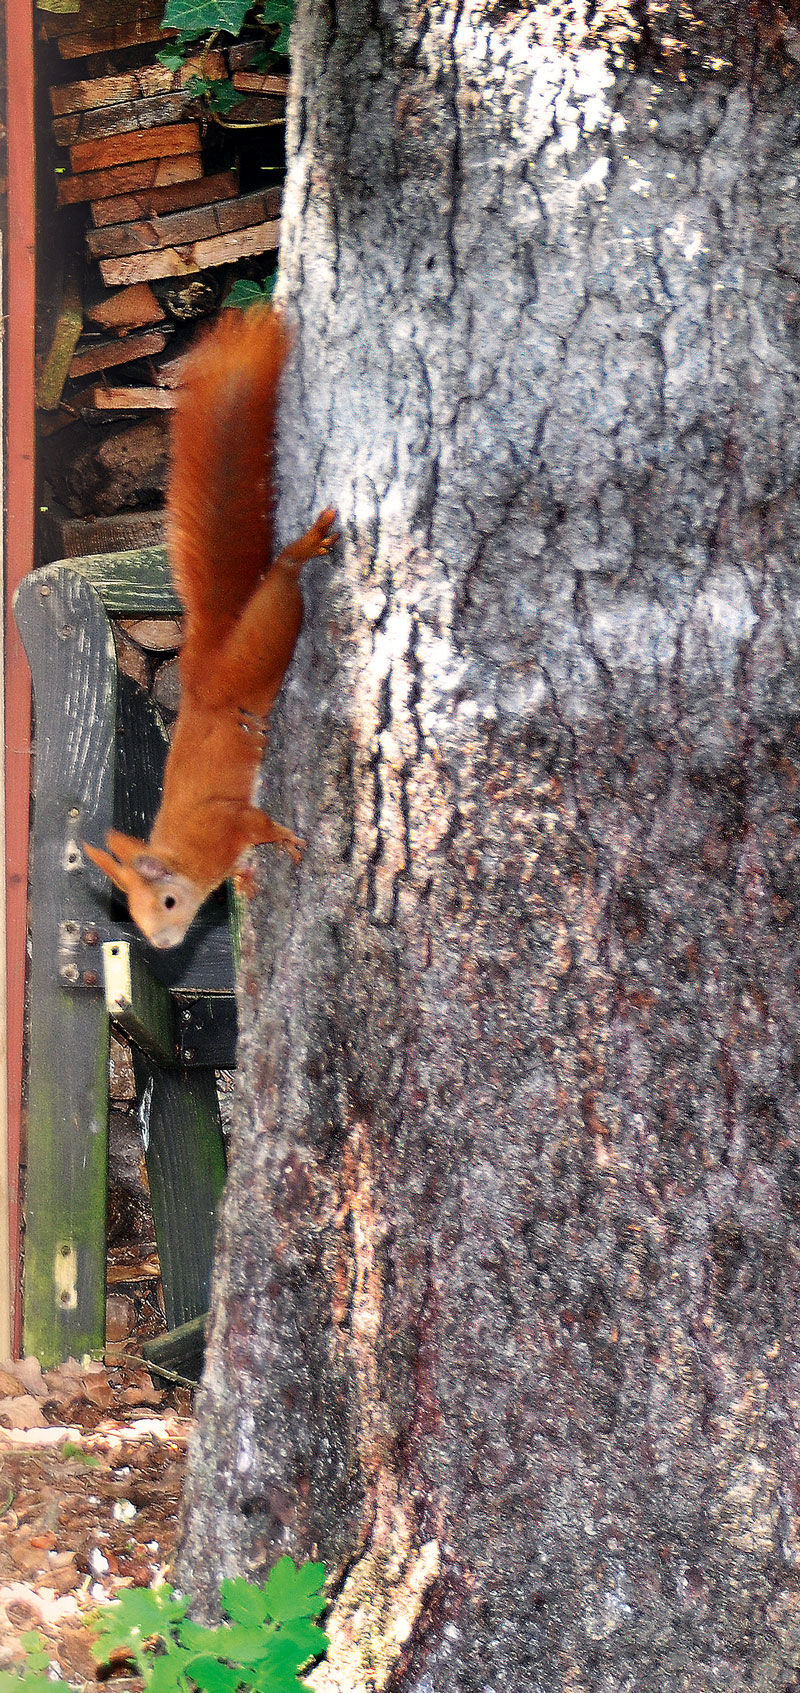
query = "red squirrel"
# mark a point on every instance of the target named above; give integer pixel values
(243, 615)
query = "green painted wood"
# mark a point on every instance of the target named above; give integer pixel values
(131, 584)
(185, 1158)
(70, 649)
(180, 1350)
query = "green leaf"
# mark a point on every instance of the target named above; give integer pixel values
(200, 17)
(280, 13)
(214, 1677)
(37, 1655)
(197, 87)
(244, 293)
(306, 1636)
(171, 58)
(242, 1599)
(238, 1644)
(292, 1592)
(169, 1671)
(222, 97)
(137, 1615)
(71, 1450)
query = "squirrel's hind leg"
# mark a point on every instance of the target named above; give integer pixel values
(316, 541)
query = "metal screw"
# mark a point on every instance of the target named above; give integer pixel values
(90, 978)
(44, 592)
(91, 937)
(69, 973)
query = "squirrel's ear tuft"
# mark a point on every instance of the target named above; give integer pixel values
(150, 869)
(118, 873)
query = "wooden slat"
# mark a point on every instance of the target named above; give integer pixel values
(252, 82)
(103, 355)
(165, 142)
(110, 40)
(132, 399)
(123, 119)
(176, 229)
(71, 652)
(203, 255)
(138, 84)
(177, 197)
(98, 185)
(129, 308)
(134, 583)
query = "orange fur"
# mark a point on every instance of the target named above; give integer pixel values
(243, 616)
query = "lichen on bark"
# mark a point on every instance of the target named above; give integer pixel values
(510, 1252)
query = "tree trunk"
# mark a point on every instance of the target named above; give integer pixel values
(509, 1266)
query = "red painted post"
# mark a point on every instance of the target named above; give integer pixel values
(19, 558)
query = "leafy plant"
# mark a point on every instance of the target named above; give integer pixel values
(245, 293)
(270, 1639)
(195, 20)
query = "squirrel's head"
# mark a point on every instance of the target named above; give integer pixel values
(161, 901)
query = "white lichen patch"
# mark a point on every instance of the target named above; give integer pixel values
(376, 1611)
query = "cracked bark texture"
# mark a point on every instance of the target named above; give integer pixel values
(509, 1266)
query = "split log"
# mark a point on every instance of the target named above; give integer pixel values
(174, 197)
(256, 110)
(119, 471)
(122, 119)
(134, 85)
(165, 142)
(197, 224)
(121, 534)
(96, 185)
(102, 355)
(155, 634)
(129, 308)
(95, 15)
(58, 364)
(203, 255)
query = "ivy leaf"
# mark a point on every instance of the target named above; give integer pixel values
(222, 97)
(171, 58)
(193, 18)
(280, 13)
(242, 1599)
(244, 293)
(137, 1615)
(292, 1592)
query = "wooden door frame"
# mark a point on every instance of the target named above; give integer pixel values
(18, 559)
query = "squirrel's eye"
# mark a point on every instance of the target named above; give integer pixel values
(169, 902)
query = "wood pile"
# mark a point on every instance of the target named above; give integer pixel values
(133, 134)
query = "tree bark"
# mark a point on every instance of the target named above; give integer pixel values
(505, 1314)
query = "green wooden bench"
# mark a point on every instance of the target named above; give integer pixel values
(99, 756)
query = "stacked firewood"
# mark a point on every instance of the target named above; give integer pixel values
(134, 135)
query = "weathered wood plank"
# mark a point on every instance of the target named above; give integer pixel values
(253, 82)
(97, 185)
(142, 30)
(257, 109)
(123, 119)
(103, 355)
(71, 652)
(203, 255)
(129, 308)
(165, 142)
(98, 14)
(122, 533)
(132, 399)
(138, 84)
(185, 1158)
(135, 583)
(177, 197)
(181, 1350)
(177, 228)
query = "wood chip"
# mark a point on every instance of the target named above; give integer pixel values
(203, 255)
(166, 141)
(121, 179)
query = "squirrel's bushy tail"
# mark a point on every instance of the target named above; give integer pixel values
(221, 492)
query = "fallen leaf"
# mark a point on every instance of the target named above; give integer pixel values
(23, 1412)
